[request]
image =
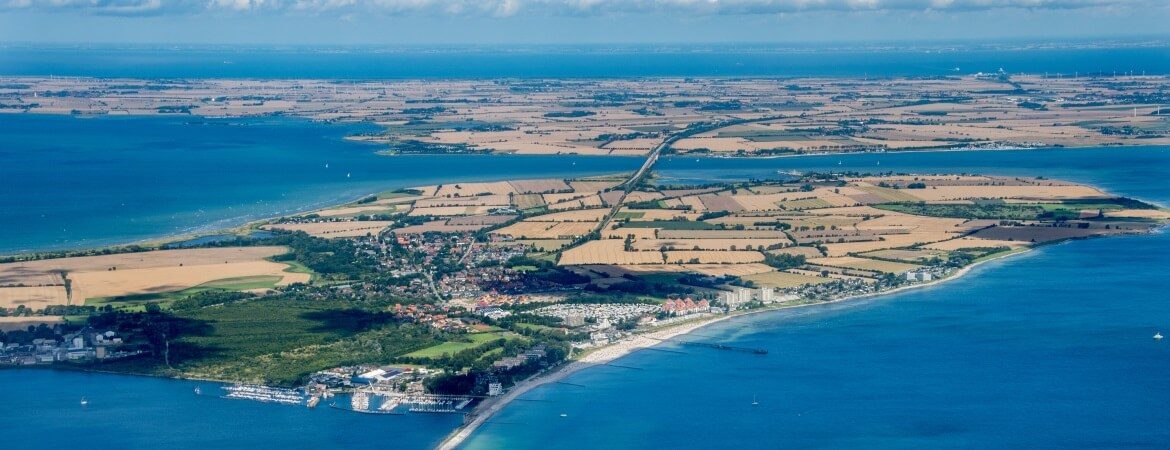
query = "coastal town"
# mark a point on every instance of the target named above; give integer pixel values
(452, 298)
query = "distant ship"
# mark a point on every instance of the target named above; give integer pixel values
(754, 401)
(1158, 336)
(84, 401)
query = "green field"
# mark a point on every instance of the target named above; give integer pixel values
(452, 347)
(628, 215)
(995, 209)
(281, 340)
(671, 225)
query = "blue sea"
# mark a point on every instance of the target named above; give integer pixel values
(898, 59)
(42, 409)
(70, 182)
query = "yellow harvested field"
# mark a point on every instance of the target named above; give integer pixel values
(583, 215)
(715, 270)
(585, 202)
(540, 186)
(784, 280)
(482, 200)
(694, 202)
(33, 297)
(708, 244)
(767, 202)
(659, 214)
(807, 252)
(356, 210)
(474, 189)
(141, 260)
(640, 196)
(452, 211)
(606, 251)
(1156, 214)
(887, 194)
(334, 229)
(156, 271)
(1057, 192)
(545, 245)
(637, 233)
(713, 257)
(719, 270)
(557, 198)
(812, 203)
(906, 255)
(971, 242)
(592, 186)
(889, 241)
(864, 264)
(440, 226)
(526, 201)
(168, 279)
(911, 222)
(722, 234)
(546, 230)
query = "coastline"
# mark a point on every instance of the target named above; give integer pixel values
(617, 350)
(242, 224)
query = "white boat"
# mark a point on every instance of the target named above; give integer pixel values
(754, 401)
(84, 401)
(1158, 336)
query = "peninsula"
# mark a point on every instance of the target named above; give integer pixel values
(440, 298)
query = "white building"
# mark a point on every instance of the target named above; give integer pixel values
(767, 295)
(495, 389)
(737, 297)
(919, 275)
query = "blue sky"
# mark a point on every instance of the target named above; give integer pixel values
(422, 22)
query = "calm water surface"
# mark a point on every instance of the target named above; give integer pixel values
(582, 62)
(41, 409)
(67, 182)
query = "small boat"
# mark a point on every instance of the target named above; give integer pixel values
(1158, 336)
(198, 391)
(754, 401)
(84, 401)
(564, 415)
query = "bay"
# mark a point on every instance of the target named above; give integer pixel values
(70, 182)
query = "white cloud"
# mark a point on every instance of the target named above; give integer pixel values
(506, 8)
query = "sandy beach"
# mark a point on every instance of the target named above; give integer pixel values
(630, 344)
